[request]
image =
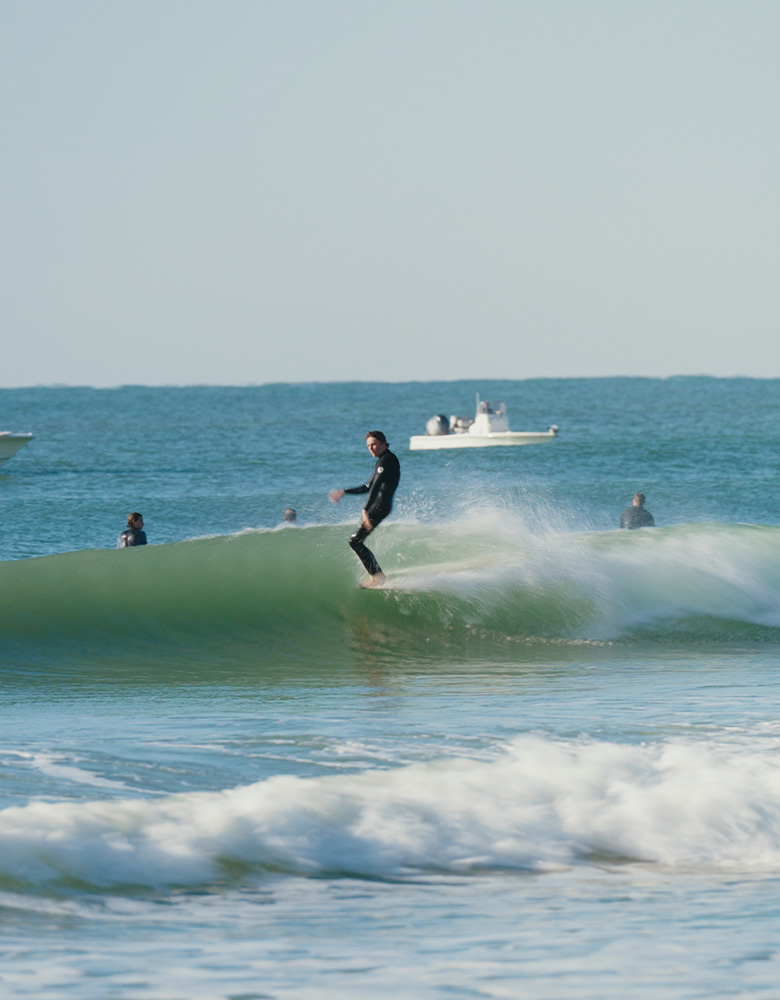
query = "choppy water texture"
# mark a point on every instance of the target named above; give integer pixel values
(542, 763)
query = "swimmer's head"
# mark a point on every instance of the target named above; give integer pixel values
(133, 518)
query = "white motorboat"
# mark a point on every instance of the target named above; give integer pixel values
(10, 443)
(490, 427)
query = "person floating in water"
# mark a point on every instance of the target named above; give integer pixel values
(290, 515)
(134, 533)
(636, 516)
(380, 488)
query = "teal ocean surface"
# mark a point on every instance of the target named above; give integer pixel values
(544, 763)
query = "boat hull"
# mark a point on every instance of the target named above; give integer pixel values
(429, 442)
(11, 443)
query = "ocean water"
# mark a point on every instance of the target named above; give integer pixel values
(544, 763)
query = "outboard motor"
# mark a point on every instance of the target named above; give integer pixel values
(437, 425)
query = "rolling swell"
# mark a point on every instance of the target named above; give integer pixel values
(265, 586)
(292, 593)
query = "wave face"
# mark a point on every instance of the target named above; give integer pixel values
(292, 593)
(541, 805)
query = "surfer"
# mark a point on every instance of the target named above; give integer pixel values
(133, 533)
(636, 516)
(380, 488)
(290, 515)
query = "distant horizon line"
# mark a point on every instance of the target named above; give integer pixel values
(447, 381)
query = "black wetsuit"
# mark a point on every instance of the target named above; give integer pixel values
(636, 517)
(131, 537)
(380, 488)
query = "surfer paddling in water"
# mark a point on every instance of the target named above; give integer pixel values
(636, 516)
(380, 488)
(134, 533)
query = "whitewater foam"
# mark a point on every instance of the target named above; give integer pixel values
(539, 806)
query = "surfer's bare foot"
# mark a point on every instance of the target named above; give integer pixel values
(374, 581)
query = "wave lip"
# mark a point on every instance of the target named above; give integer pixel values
(540, 806)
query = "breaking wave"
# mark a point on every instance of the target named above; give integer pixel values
(293, 592)
(538, 806)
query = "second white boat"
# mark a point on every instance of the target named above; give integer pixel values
(489, 428)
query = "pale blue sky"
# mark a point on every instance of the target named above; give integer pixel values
(242, 192)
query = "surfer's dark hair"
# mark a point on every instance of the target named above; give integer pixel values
(133, 517)
(378, 435)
